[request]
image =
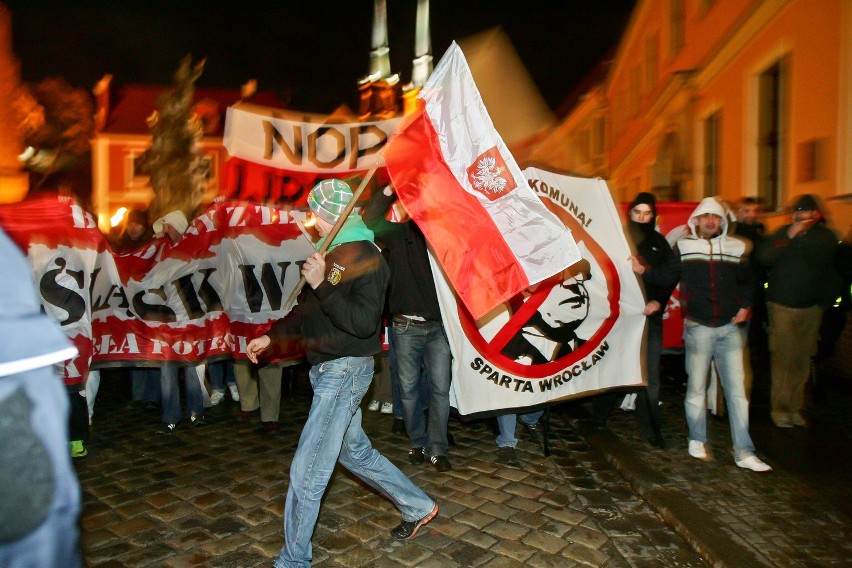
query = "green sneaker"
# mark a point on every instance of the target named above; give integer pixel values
(78, 450)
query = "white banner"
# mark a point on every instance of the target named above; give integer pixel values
(204, 297)
(569, 336)
(303, 142)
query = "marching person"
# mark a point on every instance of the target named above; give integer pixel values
(338, 318)
(715, 299)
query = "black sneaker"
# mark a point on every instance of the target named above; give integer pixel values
(535, 431)
(407, 529)
(416, 455)
(167, 428)
(506, 456)
(199, 421)
(441, 463)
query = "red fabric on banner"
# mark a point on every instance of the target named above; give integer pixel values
(476, 259)
(670, 215)
(259, 183)
(202, 298)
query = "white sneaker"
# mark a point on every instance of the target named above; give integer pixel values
(696, 449)
(217, 397)
(235, 394)
(373, 406)
(387, 408)
(753, 463)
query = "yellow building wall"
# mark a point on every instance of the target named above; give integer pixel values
(806, 35)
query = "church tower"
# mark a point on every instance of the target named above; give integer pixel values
(379, 92)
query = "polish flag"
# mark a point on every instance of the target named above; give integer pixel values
(486, 227)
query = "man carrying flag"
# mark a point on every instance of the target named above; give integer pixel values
(491, 234)
(338, 318)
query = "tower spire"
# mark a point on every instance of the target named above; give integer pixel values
(422, 67)
(380, 54)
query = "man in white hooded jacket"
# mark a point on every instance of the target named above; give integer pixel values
(715, 298)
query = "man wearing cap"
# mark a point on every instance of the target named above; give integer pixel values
(803, 282)
(715, 298)
(338, 318)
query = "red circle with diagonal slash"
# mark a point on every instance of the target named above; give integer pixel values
(605, 275)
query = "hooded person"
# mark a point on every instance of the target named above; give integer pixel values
(659, 268)
(803, 282)
(338, 318)
(715, 299)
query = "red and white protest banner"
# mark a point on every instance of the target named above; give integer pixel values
(222, 284)
(571, 335)
(492, 236)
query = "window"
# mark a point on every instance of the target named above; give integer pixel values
(677, 23)
(599, 139)
(770, 135)
(635, 91)
(712, 136)
(810, 162)
(651, 61)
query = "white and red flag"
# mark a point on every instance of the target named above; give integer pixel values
(491, 234)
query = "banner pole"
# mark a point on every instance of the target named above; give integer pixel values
(337, 226)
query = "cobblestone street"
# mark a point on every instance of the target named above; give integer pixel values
(214, 496)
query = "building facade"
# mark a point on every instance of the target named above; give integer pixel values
(726, 98)
(123, 135)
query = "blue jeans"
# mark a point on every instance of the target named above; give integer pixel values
(507, 422)
(145, 384)
(424, 344)
(395, 392)
(334, 433)
(219, 373)
(170, 393)
(725, 345)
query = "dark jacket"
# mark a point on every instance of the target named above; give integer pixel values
(802, 270)
(662, 264)
(716, 280)
(412, 287)
(342, 317)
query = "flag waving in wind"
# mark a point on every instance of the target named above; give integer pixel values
(489, 231)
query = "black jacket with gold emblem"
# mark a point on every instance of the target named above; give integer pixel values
(342, 317)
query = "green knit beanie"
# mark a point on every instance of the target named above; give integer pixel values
(329, 198)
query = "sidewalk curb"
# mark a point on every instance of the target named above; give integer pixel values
(688, 519)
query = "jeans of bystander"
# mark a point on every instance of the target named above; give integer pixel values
(725, 345)
(506, 424)
(170, 392)
(422, 347)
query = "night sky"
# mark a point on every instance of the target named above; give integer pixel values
(311, 51)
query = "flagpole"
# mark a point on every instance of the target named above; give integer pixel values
(337, 226)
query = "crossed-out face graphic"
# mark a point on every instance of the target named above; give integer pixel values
(557, 322)
(567, 303)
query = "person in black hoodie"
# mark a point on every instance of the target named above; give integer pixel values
(338, 318)
(659, 268)
(417, 331)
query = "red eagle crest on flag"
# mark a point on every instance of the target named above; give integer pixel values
(490, 175)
